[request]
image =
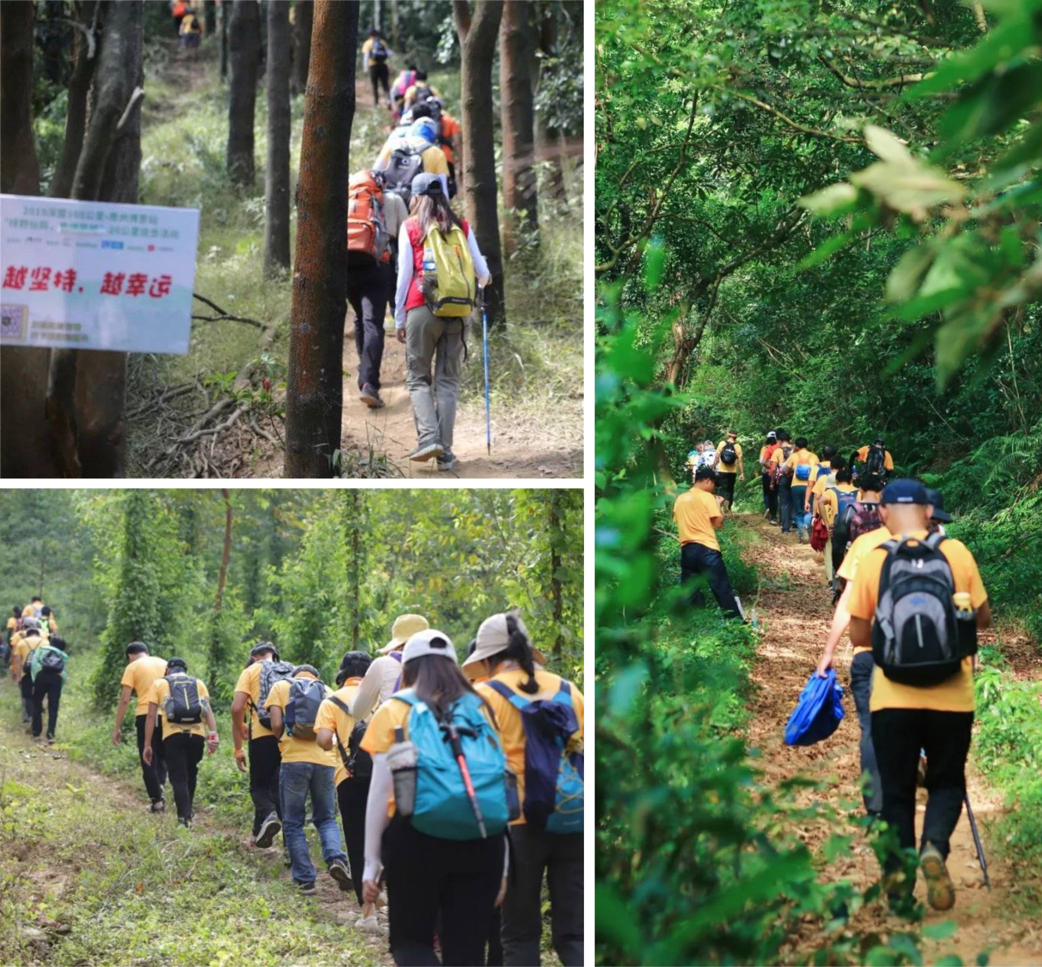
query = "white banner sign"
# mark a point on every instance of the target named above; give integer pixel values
(96, 275)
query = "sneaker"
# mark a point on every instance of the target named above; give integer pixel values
(339, 871)
(308, 889)
(940, 891)
(159, 806)
(447, 462)
(187, 823)
(423, 454)
(268, 831)
(50, 740)
(371, 397)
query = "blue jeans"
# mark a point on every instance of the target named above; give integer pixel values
(785, 504)
(296, 780)
(799, 494)
(861, 669)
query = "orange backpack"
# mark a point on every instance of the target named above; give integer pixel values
(366, 228)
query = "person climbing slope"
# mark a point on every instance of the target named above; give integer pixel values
(782, 481)
(140, 674)
(800, 468)
(413, 152)
(728, 464)
(436, 291)
(770, 493)
(47, 668)
(21, 658)
(375, 57)
(874, 458)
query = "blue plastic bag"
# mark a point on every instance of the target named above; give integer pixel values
(818, 712)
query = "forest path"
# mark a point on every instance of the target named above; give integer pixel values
(795, 611)
(56, 877)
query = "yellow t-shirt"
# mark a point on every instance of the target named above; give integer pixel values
(694, 512)
(888, 461)
(140, 675)
(953, 695)
(296, 749)
(829, 505)
(29, 611)
(434, 162)
(411, 93)
(798, 458)
(338, 721)
(12, 624)
(511, 731)
(779, 455)
(160, 692)
(249, 682)
(24, 647)
(722, 467)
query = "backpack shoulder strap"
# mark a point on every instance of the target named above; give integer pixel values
(340, 705)
(564, 696)
(935, 540)
(340, 745)
(509, 694)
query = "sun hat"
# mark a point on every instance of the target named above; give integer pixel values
(405, 625)
(905, 491)
(430, 641)
(493, 638)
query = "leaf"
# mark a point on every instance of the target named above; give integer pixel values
(826, 250)
(940, 931)
(887, 146)
(903, 281)
(829, 200)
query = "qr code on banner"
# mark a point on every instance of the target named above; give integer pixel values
(13, 322)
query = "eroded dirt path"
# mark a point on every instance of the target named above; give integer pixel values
(795, 611)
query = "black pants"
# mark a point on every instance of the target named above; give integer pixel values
(154, 774)
(265, 762)
(770, 496)
(897, 736)
(725, 485)
(351, 796)
(26, 688)
(184, 752)
(47, 684)
(442, 885)
(561, 857)
(367, 291)
(380, 76)
(699, 561)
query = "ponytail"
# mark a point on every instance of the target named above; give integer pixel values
(519, 649)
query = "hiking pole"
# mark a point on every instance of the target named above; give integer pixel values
(457, 751)
(976, 841)
(484, 339)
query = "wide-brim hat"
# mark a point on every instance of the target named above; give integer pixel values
(404, 627)
(493, 638)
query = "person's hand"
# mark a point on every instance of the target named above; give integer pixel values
(501, 895)
(370, 891)
(400, 335)
(117, 736)
(213, 740)
(827, 661)
(240, 759)
(146, 755)
(741, 477)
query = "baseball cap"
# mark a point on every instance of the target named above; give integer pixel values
(405, 625)
(494, 637)
(905, 491)
(705, 473)
(772, 435)
(430, 641)
(263, 646)
(427, 185)
(177, 663)
(936, 500)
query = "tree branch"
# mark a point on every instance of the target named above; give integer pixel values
(879, 85)
(802, 128)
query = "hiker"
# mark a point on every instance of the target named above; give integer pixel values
(544, 744)
(919, 600)
(436, 291)
(178, 9)
(48, 623)
(781, 481)
(383, 677)
(139, 676)
(405, 80)
(410, 152)
(875, 458)
(939, 517)
(727, 464)
(190, 30)
(697, 514)
(307, 770)
(375, 55)
(374, 220)
(21, 657)
(442, 874)
(47, 669)
(693, 460)
(354, 767)
(836, 495)
(770, 493)
(427, 103)
(800, 469)
(183, 703)
(708, 457)
(33, 608)
(253, 688)
(13, 624)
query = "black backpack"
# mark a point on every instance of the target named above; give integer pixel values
(183, 706)
(875, 462)
(379, 52)
(357, 761)
(728, 455)
(405, 164)
(305, 697)
(917, 638)
(52, 660)
(271, 672)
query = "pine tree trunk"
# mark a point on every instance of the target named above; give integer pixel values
(517, 116)
(548, 138)
(210, 11)
(304, 18)
(276, 174)
(224, 39)
(477, 33)
(314, 399)
(243, 49)
(226, 553)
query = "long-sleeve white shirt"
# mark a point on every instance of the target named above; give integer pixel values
(406, 271)
(376, 687)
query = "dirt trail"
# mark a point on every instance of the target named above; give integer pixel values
(795, 611)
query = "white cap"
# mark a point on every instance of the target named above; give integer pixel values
(494, 638)
(430, 641)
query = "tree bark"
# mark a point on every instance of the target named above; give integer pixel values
(222, 574)
(304, 18)
(23, 371)
(276, 174)
(354, 571)
(314, 399)
(244, 48)
(548, 138)
(517, 117)
(224, 39)
(210, 11)
(477, 33)
(556, 591)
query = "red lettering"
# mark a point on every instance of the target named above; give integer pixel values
(160, 287)
(136, 284)
(39, 281)
(112, 284)
(14, 277)
(65, 280)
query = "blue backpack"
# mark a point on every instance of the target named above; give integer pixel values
(305, 696)
(818, 712)
(443, 807)
(554, 784)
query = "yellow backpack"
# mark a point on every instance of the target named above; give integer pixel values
(449, 280)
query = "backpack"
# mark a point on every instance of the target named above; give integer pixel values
(846, 506)
(865, 518)
(779, 468)
(875, 462)
(449, 282)
(768, 452)
(554, 782)
(379, 51)
(397, 656)
(728, 455)
(305, 696)
(424, 95)
(443, 807)
(916, 636)
(802, 471)
(52, 659)
(183, 705)
(359, 763)
(366, 226)
(271, 672)
(405, 164)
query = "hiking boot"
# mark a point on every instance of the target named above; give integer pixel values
(423, 454)
(940, 891)
(339, 871)
(308, 889)
(447, 462)
(371, 397)
(268, 831)
(159, 806)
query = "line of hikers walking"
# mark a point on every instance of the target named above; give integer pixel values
(912, 599)
(410, 251)
(460, 785)
(37, 656)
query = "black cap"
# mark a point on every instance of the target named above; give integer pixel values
(937, 502)
(176, 662)
(263, 646)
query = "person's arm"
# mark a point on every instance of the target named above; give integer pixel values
(376, 820)
(741, 468)
(984, 616)
(368, 693)
(718, 520)
(480, 265)
(126, 695)
(324, 738)
(860, 632)
(716, 460)
(405, 275)
(275, 714)
(213, 740)
(238, 709)
(150, 729)
(840, 623)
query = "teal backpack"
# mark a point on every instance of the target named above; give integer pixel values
(443, 806)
